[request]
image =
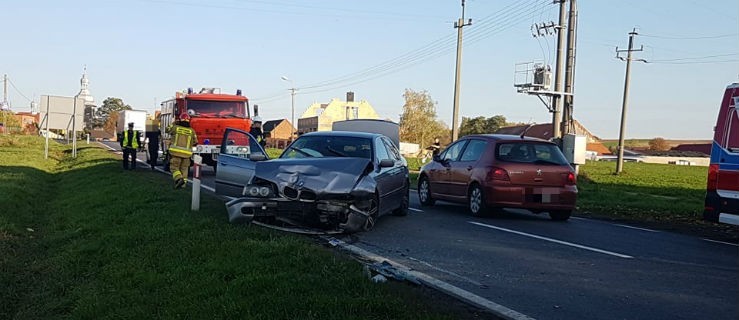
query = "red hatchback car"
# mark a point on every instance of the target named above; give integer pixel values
(492, 171)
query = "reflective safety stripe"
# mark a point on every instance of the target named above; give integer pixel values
(182, 141)
(134, 143)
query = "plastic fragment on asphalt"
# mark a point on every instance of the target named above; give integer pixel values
(334, 242)
(388, 270)
(379, 279)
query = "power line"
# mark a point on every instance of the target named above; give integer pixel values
(441, 44)
(695, 58)
(690, 38)
(16, 90)
(486, 28)
(697, 62)
(426, 55)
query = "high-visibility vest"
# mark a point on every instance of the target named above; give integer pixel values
(134, 141)
(182, 141)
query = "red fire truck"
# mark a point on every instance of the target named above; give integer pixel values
(211, 112)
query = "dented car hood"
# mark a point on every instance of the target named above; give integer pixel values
(322, 175)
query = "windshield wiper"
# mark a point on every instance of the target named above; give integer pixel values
(300, 151)
(231, 116)
(336, 152)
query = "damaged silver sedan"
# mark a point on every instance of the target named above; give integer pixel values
(333, 181)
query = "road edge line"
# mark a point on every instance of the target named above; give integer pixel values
(461, 294)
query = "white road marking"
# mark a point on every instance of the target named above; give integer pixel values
(578, 218)
(445, 271)
(716, 241)
(637, 228)
(416, 210)
(553, 240)
(497, 309)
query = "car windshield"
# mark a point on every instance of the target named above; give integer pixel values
(329, 146)
(217, 109)
(530, 152)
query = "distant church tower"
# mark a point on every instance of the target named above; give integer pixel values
(90, 107)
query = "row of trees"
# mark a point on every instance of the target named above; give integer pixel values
(419, 123)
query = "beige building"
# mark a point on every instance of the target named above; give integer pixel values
(321, 116)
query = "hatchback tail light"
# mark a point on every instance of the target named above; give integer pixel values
(712, 177)
(571, 179)
(499, 174)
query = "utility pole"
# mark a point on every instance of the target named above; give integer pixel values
(567, 109)
(557, 99)
(4, 107)
(459, 25)
(619, 163)
(292, 102)
(5, 91)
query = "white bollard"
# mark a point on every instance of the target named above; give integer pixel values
(88, 138)
(197, 160)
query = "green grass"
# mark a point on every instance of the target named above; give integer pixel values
(80, 238)
(643, 190)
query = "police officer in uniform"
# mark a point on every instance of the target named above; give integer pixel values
(180, 149)
(256, 131)
(130, 142)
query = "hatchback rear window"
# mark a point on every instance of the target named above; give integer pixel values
(530, 152)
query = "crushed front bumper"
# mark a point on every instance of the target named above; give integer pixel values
(330, 215)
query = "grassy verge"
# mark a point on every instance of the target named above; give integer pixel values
(81, 238)
(643, 191)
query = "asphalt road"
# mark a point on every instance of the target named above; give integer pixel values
(580, 269)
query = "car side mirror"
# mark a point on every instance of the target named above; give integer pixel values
(437, 158)
(257, 157)
(386, 163)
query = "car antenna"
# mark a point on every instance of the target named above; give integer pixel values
(526, 129)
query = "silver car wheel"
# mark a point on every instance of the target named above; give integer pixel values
(475, 200)
(423, 193)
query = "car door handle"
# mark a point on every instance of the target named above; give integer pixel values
(469, 168)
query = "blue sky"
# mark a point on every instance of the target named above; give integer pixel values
(144, 50)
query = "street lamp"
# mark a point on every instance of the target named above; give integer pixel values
(292, 94)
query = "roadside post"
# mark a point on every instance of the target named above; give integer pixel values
(88, 138)
(197, 161)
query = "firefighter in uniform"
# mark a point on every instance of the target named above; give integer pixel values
(130, 142)
(180, 149)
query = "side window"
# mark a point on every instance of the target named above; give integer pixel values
(240, 144)
(381, 150)
(452, 152)
(394, 154)
(474, 150)
(732, 132)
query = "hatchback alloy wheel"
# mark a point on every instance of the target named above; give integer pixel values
(476, 201)
(424, 193)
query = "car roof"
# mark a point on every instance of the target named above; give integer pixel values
(506, 137)
(342, 134)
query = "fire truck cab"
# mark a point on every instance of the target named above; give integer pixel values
(211, 112)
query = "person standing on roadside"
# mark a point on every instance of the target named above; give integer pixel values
(180, 149)
(130, 142)
(153, 146)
